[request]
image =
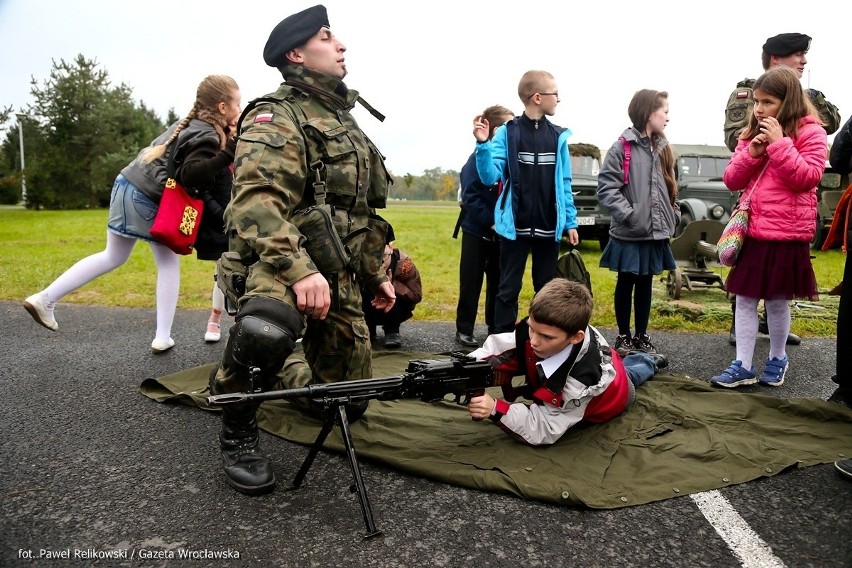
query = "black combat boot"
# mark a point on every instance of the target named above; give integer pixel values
(246, 469)
(763, 327)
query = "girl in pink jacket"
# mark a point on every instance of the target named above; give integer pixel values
(777, 165)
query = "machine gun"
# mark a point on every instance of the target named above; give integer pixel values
(429, 380)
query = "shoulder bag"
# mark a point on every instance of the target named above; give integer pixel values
(178, 216)
(735, 232)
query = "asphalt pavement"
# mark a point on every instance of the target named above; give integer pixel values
(94, 473)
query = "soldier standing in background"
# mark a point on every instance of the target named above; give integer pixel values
(306, 183)
(784, 49)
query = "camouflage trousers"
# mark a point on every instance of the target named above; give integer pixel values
(336, 348)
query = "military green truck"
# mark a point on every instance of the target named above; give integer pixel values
(701, 192)
(592, 219)
(703, 195)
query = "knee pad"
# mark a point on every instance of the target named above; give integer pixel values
(264, 336)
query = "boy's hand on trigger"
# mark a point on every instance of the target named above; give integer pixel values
(480, 128)
(481, 407)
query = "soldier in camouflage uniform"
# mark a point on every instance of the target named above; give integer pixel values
(301, 218)
(783, 49)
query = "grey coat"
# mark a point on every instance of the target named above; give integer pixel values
(149, 178)
(641, 211)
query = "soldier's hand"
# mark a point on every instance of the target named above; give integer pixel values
(384, 298)
(312, 296)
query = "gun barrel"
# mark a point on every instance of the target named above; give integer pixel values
(425, 379)
(220, 399)
(360, 388)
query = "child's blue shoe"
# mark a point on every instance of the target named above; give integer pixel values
(773, 373)
(734, 376)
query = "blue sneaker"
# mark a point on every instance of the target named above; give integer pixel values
(734, 376)
(773, 373)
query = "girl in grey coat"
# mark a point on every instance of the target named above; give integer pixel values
(637, 185)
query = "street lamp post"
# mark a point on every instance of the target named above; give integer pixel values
(21, 116)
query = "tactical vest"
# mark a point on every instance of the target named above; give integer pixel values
(345, 170)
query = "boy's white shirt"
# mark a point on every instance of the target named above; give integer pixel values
(552, 363)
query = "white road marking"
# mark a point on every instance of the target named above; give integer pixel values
(746, 544)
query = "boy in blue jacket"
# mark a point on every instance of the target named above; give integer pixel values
(529, 154)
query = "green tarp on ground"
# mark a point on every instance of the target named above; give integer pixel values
(682, 436)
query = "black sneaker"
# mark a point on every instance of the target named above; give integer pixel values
(842, 397)
(393, 341)
(643, 343)
(623, 344)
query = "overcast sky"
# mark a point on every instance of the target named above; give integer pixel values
(431, 66)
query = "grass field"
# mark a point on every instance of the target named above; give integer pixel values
(36, 247)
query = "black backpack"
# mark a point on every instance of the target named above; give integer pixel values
(571, 267)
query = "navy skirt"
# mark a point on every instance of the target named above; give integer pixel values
(638, 257)
(773, 270)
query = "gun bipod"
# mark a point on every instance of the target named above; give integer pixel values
(329, 419)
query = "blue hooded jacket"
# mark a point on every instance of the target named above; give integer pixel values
(493, 164)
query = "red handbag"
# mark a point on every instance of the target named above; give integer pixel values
(178, 216)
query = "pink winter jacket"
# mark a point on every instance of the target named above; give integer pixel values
(783, 205)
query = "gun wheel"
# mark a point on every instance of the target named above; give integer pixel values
(674, 283)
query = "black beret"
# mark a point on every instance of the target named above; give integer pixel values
(785, 44)
(293, 31)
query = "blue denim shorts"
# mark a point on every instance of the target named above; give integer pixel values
(131, 212)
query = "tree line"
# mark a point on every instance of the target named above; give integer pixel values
(81, 130)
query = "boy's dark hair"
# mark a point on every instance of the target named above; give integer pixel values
(495, 116)
(564, 304)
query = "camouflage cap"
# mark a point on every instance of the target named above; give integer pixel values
(785, 44)
(293, 31)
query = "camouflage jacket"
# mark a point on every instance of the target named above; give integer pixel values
(300, 147)
(741, 103)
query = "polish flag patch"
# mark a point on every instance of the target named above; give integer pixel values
(263, 117)
(740, 95)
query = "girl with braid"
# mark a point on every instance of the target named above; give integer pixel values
(204, 147)
(637, 185)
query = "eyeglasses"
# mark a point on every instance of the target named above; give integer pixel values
(555, 94)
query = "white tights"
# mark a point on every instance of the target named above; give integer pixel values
(115, 254)
(777, 319)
